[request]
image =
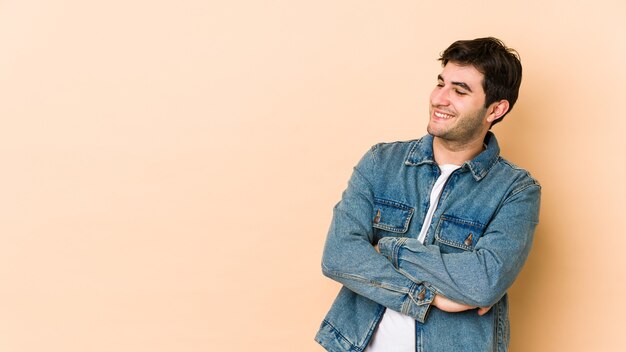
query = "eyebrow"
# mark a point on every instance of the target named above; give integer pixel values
(460, 84)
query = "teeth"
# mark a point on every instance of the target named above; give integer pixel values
(443, 116)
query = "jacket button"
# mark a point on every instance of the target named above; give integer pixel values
(421, 295)
(468, 240)
(377, 217)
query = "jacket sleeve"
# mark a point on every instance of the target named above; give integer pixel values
(479, 277)
(350, 258)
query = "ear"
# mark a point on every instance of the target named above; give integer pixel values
(497, 110)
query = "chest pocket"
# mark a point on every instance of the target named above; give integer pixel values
(458, 235)
(391, 216)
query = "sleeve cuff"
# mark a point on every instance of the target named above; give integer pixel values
(418, 301)
(390, 247)
(419, 298)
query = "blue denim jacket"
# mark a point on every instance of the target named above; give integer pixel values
(479, 238)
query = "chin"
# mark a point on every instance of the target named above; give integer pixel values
(434, 131)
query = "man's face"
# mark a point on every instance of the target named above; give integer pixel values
(457, 105)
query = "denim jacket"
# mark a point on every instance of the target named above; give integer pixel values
(479, 238)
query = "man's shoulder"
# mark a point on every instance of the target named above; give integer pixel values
(395, 150)
(512, 171)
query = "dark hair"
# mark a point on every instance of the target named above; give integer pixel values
(500, 66)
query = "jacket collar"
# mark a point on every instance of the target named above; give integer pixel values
(422, 153)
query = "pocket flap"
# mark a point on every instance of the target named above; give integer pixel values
(459, 233)
(391, 216)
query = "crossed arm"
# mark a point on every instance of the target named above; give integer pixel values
(448, 305)
(408, 276)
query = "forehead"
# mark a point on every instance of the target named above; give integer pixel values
(467, 74)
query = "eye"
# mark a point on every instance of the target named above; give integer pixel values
(460, 92)
(439, 84)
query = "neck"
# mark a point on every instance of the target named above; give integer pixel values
(448, 152)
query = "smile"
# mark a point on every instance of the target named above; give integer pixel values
(443, 116)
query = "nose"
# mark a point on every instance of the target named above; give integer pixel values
(439, 97)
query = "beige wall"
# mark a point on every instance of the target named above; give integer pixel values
(169, 167)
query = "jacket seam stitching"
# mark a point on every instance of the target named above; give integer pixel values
(339, 334)
(361, 279)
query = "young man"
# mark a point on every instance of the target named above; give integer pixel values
(430, 233)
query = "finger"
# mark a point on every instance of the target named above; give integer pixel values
(483, 310)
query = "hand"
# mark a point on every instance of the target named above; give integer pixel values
(450, 306)
(376, 248)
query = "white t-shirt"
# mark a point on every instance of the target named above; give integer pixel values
(396, 331)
